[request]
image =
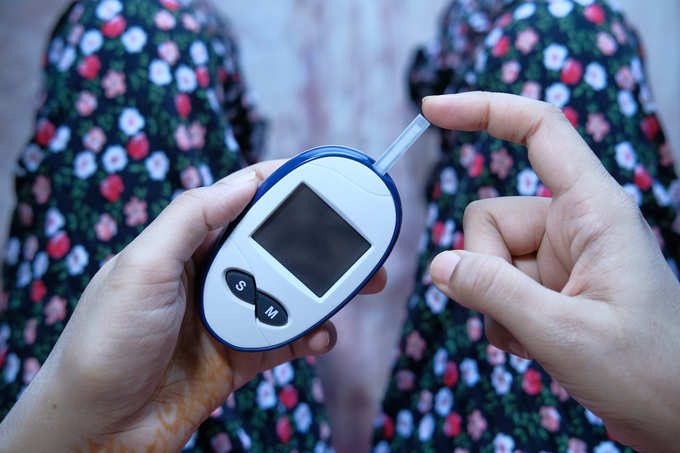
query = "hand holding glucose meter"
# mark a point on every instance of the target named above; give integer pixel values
(316, 231)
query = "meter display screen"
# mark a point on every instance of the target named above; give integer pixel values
(311, 240)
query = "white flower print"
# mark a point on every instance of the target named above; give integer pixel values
(560, 8)
(646, 99)
(244, 438)
(24, 275)
(55, 50)
(554, 56)
(12, 249)
(303, 417)
(493, 37)
(557, 94)
(134, 39)
(382, 447)
(518, 363)
(468, 371)
(595, 76)
(634, 192)
(404, 423)
(625, 155)
(114, 159)
(503, 443)
(32, 157)
(11, 368)
(107, 9)
(230, 141)
(158, 165)
(130, 121)
(527, 181)
(60, 139)
(426, 428)
(584, 2)
(206, 175)
(501, 380)
(40, 264)
(53, 222)
(449, 180)
(661, 194)
(84, 165)
(159, 72)
(480, 61)
(439, 362)
(627, 103)
(77, 259)
(91, 42)
(284, 373)
(674, 191)
(525, 10)
(435, 299)
(199, 53)
(606, 447)
(443, 401)
(186, 79)
(266, 396)
(432, 213)
(479, 22)
(636, 69)
(68, 56)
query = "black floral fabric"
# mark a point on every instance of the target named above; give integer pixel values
(143, 99)
(450, 389)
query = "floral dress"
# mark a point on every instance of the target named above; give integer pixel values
(450, 390)
(143, 99)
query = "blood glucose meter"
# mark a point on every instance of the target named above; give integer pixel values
(316, 231)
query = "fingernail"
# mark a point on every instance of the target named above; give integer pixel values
(518, 350)
(320, 340)
(443, 265)
(425, 99)
(242, 177)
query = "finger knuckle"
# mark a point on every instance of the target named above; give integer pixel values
(475, 214)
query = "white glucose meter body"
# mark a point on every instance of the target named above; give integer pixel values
(316, 231)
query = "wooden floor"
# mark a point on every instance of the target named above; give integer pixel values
(340, 79)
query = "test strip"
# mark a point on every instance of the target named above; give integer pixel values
(407, 138)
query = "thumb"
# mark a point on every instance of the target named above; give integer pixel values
(493, 286)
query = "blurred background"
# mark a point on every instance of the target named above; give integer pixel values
(327, 73)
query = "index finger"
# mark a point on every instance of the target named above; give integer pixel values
(558, 154)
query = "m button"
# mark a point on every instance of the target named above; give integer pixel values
(270, 311)
(242, 285)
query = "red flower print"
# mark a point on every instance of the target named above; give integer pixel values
(477, 165)
(458, 241)
(197, 135)
(59, 245)
(501, 47)
(576, 446)
(111, 187)
(115, 27)
(38, 290)
(283, 429)
(30, 331)
(89, 67)
(114, 84)
(135, 211)
(476, 424)
(571, 114)
(183, 104)
(450, 374)
(288, 396)
(597, 126)
(388, 427)
(550, 418)
(452, 425)
(25, 214)
(202, 76)
(105, 228)
(526, 40)
(504, 20)
(572, 71)
(94, 139)
(642, 178)
(532, 382)
(190, 178)
(55, 310)
(172, 5)
(42, 189)
(666, 157)
(86, 103)
(594, 13)
(501, 162)
(559, 391)
(405, 380)
(543, 191)
(650, 126)
(138, 146)
(31, 367)
(44, 132)
(437, 231)
(221, 443)
(415, 345)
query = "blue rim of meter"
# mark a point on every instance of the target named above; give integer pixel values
(292, 164)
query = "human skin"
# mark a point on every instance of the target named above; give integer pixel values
(134, 369)
(576, 281)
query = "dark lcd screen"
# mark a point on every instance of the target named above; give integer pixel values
(311, 240)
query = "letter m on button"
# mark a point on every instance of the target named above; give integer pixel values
(271, 312)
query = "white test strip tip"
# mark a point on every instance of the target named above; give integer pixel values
(407, 138)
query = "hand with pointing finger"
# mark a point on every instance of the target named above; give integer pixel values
(577, 282)
(134, 369)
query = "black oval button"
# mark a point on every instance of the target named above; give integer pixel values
(242, 285)
(270, 311)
